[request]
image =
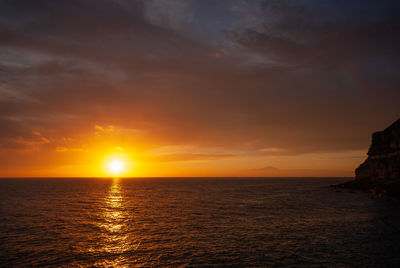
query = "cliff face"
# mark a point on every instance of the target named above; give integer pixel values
(383, 162)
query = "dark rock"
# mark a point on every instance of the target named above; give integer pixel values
(383, 160)
(380, 173)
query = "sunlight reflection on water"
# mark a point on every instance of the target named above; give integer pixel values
(203, 222)
(115, 238)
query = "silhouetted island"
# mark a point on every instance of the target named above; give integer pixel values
(380, 173)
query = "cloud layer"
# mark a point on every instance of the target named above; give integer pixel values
(240, 77)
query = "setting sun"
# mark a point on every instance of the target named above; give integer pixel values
(116, 167)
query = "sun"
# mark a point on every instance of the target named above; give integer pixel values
(116, 167)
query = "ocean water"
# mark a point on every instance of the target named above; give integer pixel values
(194, 222)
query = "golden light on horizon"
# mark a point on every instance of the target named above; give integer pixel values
(116, 167)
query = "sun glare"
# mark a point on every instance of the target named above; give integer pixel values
(116, 167)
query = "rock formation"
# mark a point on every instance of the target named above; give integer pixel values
(380, 173)
(383, 160)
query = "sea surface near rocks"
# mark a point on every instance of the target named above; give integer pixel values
(194, 222)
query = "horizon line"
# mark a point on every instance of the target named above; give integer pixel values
(166, 177)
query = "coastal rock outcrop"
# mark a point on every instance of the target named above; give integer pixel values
(383, 160)
(380, 172)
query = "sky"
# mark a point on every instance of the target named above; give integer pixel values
(195, 87)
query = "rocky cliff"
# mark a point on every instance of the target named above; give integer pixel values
(383, 160)
(380, 173)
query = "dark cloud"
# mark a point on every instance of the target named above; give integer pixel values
(311, 77)
(105, 33)
(18, 136)
(307, 34)
(11, 129)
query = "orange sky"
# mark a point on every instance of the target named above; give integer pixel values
(189, 88)
(51, 155)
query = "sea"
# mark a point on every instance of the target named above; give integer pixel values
(194, 222)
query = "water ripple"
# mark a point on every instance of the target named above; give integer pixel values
(186, 222)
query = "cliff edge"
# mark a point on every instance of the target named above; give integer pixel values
(383, 160)
(380, 173)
